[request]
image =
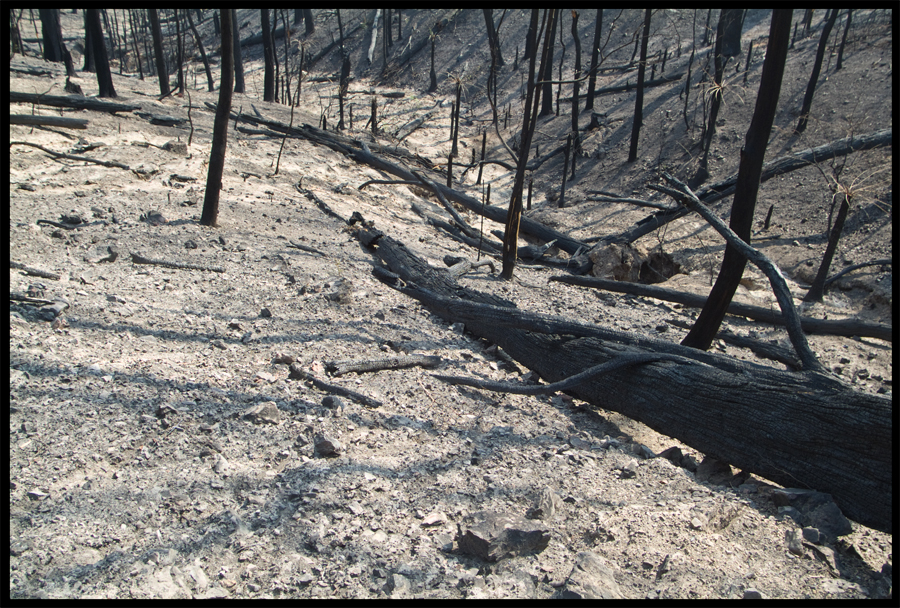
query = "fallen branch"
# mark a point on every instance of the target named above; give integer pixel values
(86, 159)
(806, 429)
(298, 373)
(305, 248)
(48, 121)
(71, 101)
(339, 368)
(853, 267)
(847, 327)
(139, 259)
(34, 271)
(570, 382)
(779, 166)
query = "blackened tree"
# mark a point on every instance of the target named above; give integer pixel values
(595, 52)
(814, 77)
(236, 52)
(749, 174)
(161, 71)
(220, 126)
(639, 98)
(101, 60)
(269, 54)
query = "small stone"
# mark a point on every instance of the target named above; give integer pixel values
(327, 446)
(794, 544)
(752, 594)
(434, 519)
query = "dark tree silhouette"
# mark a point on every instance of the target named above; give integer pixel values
(492, 37)
(817, 289)
(814, 77)
(840, 57)
(179, 46)
(546, 67)
(529, 121)
(161, 71)
(220, 126)
(310, 22)
(236, 46)
(595, 53)
(269, 54)
(747, 186)
(89, 65)
(209, 78)
(432, 37)
(101, 61)
(725, 48)
(639, 98)
(51, 33)
(576, 78)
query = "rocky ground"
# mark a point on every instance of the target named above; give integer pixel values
(161, 447)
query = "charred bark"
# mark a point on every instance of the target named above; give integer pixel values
(220, 126)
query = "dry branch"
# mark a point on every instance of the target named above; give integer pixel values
(71, 101)
(48, 121)
(105, 163)
(847, 327)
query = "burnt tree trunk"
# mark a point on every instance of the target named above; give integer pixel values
(747, 185)
(529, 120)
(639, 99)
(209, 78)
(814, 77)
(576, 78)
(595, 52)
(101, 60)
(493, 39)
(51, 32)
(800, 429)
(546, 72)
(238, 63)
(817, 290)
(220, 126)
(161, 71)
(269, 54)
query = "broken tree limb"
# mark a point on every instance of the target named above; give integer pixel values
(71, 101)
(798, 429)
(683, 194)
(105, 163)
(779, 166)
(139, 259)
(34, 271)
(853, 267)
(297, 372)
(846, 327)
(339, 368)
(467, 230)
(48, 121)
(570, 382)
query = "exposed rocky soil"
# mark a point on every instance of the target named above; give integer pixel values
(159, 447)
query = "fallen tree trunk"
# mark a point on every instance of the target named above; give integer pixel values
(804, 429)
(71, 101)
(779, 166)
(848, 327)
(48, 121)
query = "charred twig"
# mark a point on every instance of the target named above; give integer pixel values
(139, 259)
(86, 159)
(34, 271)
(298, 373)
(571, 381)
(339, 368)
(305, 248)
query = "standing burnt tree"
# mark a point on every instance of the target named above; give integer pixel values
(101, 61)
(209, 79)
(161, 71)
(269, 53)
(747, 186)
(814, 77)
(236, 46)
(529, 120)
(639, 98)
(728, 44)
(220, 127)
(595, 52)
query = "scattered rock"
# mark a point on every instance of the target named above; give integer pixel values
(492, 536)
(264, 413)
(546, 506)
(328, 447)
(816, 510)
(591, 579)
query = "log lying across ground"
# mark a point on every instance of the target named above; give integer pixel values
(799, 429)
(71, 101)
(48, 121)
(846, 327)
